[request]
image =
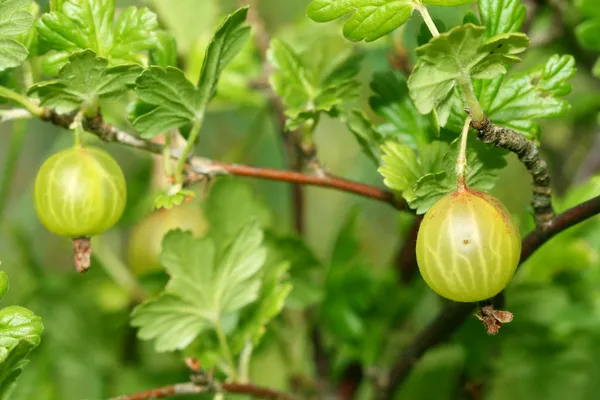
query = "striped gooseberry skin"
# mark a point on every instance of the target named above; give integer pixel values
(80, 192)
(468, 246)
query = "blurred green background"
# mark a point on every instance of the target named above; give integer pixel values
(88, 351)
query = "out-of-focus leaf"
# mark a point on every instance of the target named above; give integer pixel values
(441, 365)
(306, 91)
(14, 21)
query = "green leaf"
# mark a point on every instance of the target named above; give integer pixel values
(307, 90)
(366, 134)
(442, 365)
(173, 100)
(228, 41)
(447, 3)
(83, 81)
(306, 272)
(588, 34)
(205, 288)
(14, 21)
(90, 24)
(165, 53)
(400, 168)
(232, 204)
(271, 300)
(426, 179)
(3, 284)
(20, 332)
(516, 101)
(167, 200)
(187, 26)
(370, 19)
(501, 16)
(452, 57)
(391, 101)
(484, 164)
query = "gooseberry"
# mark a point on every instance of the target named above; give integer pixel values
(144, 247)
(468, 246)
(80, 192)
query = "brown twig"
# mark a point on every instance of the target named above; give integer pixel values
(528, 153)
(453, 314)
(406, 260)
(200, 166)
(189, 388)
(350, 381)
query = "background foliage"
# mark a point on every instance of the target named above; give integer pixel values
(344, 268)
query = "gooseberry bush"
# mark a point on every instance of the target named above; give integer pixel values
(172, 144)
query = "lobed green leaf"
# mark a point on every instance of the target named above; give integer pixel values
(391, 101)
(400, 168)
(14, 21)
(370, 19)
(170, 99)
(457, 55)
(206, 286)
(425, 179)
(83, 81)
(308, 90)
(90, 24)
(501, 16)
(516, 101)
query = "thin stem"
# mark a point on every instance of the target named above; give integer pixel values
(167, 156)
(77, 127)
(191, 389)
(12, 156)
(244, 364)
(14, 114)
(428, 21)
(26, 75)
(33, 108)
(116, 269)
(187, 150)
(226, 350)
(475, 110)
(461, 162)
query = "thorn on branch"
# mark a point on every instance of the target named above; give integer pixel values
(528, 153)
